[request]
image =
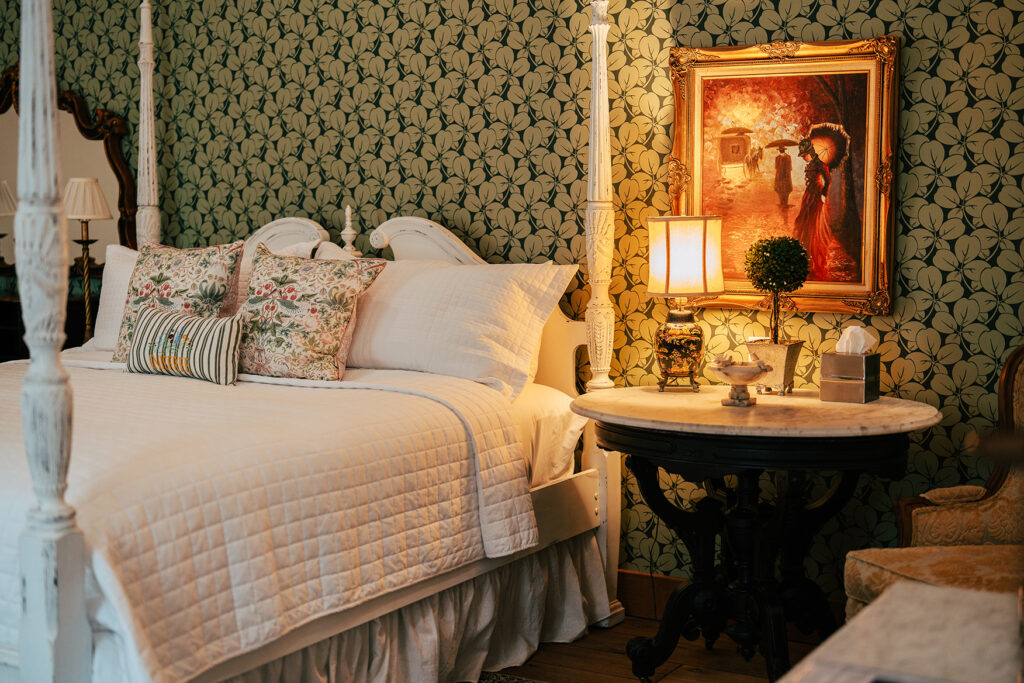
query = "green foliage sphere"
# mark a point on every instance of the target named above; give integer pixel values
(776, 264)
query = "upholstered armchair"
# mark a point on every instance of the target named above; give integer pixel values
(963, 536)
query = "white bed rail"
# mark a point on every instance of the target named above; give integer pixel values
(56, 644)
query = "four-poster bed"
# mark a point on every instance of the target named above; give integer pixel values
(57, 641)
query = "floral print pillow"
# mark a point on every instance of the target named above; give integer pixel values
(300, 314)
(193, 281)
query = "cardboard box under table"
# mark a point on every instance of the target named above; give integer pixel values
(850, 377)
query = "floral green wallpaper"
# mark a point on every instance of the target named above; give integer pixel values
(475, 114)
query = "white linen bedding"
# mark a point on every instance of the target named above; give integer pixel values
(311, 501)
(548, 429)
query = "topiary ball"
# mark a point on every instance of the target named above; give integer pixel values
(776, 264)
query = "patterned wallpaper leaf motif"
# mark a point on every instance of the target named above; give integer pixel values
(476, 115)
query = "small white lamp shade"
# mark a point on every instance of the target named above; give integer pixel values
(83, 200)
(685, 256)
(8, 205)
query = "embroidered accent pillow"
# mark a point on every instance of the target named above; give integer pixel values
(172, 343)
(301, 312)
(193, 281)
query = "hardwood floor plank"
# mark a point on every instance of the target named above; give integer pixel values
(600, 657)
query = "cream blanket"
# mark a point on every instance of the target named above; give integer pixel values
(219, 518)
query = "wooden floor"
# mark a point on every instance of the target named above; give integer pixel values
(600, 657)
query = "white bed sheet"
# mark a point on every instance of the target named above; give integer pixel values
(259, 524)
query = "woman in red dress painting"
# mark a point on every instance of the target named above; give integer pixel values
(812, 224)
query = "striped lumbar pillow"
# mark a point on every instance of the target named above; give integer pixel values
(172, 343)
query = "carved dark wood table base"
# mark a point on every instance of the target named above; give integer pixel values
(742, 597)
(758, 584)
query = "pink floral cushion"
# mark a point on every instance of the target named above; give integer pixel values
(301, 312)
(193, 281)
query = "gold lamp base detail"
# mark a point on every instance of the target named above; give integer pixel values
(679, 347)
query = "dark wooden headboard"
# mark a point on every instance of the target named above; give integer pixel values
(107, 127)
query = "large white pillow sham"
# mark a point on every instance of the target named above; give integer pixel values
(481, 323)
(117, 273)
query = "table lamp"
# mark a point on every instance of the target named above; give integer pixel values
(685, 260)
(8, 207)
(84, 201)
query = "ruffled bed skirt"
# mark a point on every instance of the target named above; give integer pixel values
(488, 623)
(491, 622)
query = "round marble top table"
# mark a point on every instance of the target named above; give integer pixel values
(800, 414)
(756, 583)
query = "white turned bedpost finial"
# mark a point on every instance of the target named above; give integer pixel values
(600, 221)
(147, 221)
(56, 643)
(348, 235)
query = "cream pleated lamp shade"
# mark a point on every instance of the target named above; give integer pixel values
(83, 200)
(8, 205)
(685, 256)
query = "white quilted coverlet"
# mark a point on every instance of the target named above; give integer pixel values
(219, 518)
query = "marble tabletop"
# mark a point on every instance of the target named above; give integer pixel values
(800, 414)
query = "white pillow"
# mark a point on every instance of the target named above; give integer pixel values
(117, 273)
(482, 323)
(548, 432)
(329, 251)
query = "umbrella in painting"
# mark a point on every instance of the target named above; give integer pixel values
(784, 143)
(830, 142)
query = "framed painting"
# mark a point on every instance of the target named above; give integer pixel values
(792, 139)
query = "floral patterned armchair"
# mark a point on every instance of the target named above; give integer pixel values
(963, 536)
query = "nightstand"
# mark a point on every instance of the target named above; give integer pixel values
(12, 328)
(695, 436)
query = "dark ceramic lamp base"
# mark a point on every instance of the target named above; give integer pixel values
(679, 347)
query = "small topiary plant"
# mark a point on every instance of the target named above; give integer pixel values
(776, 265)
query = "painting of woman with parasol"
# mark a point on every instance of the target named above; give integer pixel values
(752, 121)
(823, 150)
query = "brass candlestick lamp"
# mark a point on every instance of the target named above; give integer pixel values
(8, 207)
(84, 201)
(685, 260)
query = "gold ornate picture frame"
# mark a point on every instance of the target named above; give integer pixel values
(793, 139)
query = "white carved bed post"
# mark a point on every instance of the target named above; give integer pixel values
(56, 644)
(600, 316)
(600, 225)
(147, 221)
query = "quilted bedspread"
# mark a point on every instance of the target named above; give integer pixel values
(219, 518)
